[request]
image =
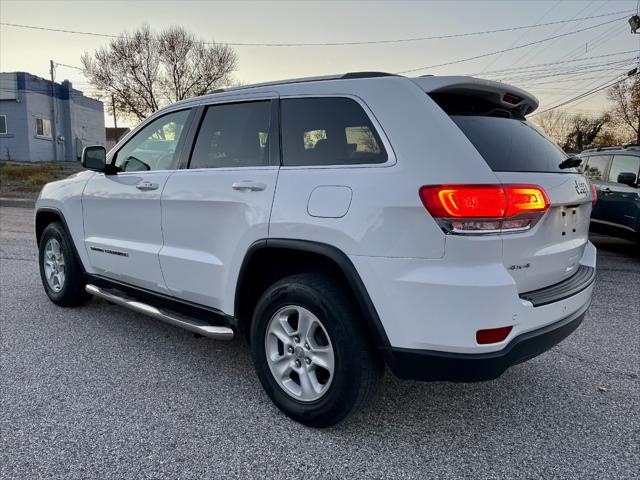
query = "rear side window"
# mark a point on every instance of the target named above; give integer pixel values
(233, 135)
(328, 131)
(624, 164)
(512, 145)
(596, 166)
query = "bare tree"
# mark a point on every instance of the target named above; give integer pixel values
(583, 132)
(555, 123)
(146, 70)
(626, 111)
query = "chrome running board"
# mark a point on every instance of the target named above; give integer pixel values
(172, 318)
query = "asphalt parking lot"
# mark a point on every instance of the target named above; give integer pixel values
(101, 392)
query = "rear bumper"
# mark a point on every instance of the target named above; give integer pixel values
(429, 365)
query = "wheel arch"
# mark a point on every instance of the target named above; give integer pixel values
(264, 264)
(48, 215)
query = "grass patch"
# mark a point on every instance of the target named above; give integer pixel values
(31, 177)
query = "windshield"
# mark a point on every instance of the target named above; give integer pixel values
(511, 145)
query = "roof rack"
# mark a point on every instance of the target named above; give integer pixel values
(349, 75)
(606, 148)
(346, 76)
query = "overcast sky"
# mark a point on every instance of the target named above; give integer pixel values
(322, 22)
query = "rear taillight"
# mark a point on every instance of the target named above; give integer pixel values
(595, 195)
(484, 209)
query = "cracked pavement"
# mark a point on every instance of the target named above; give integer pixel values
(101, 392)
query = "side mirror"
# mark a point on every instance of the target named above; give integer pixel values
(628, 178)
(94, 158)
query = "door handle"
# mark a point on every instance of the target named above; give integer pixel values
(144, 186)
(606, 190)
(248, 186)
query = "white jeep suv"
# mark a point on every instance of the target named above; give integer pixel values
(338, 224)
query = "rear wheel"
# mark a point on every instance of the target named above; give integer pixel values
(60, 269)
(309, 351)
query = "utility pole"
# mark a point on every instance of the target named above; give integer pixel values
(53, 110)
(113, 106)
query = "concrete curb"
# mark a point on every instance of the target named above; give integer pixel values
(17, 202)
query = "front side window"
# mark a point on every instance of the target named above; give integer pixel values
(596, 166)
(153, 147)
(233, 135)
(624, 164)
(43, 127)
(328, 131)
(3, 124)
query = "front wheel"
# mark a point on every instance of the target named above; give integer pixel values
(60, 270)
(309, 350)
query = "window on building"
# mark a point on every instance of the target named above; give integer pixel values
(43, 127)
(328, 131)
(3, 124)
(233, 135)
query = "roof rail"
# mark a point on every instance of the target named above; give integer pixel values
(349, 75)
(346, 76)
(608, 147)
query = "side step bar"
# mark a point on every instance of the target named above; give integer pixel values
(172, 318)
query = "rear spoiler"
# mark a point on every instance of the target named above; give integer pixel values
(500, 94)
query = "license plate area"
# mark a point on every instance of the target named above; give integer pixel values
(571, 221)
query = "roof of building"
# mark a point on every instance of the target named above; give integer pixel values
(27, 82)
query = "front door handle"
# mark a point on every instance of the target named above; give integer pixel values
(145, 186)
(248, 186)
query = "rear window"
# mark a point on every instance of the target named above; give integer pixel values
(512, 145)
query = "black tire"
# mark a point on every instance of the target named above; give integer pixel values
(72, 293)
(358, 367)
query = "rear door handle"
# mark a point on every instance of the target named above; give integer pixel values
(248, 186)
(145, 185)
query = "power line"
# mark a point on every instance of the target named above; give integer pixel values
(323, 44)
(574, 70)
(69, 66)
(604, 86)
(462, 60)
(581, 82)
(524, 34)
(531, 85)
(588, 85)
(528, 67)
(556, 31)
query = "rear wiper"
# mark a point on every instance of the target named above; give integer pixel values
(570, 162)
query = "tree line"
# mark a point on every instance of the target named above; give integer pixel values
(619, 125)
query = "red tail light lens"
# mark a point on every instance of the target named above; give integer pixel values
(485, 208)
(595, 195)
(492, 335)
(461, 201)
(525, 198)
